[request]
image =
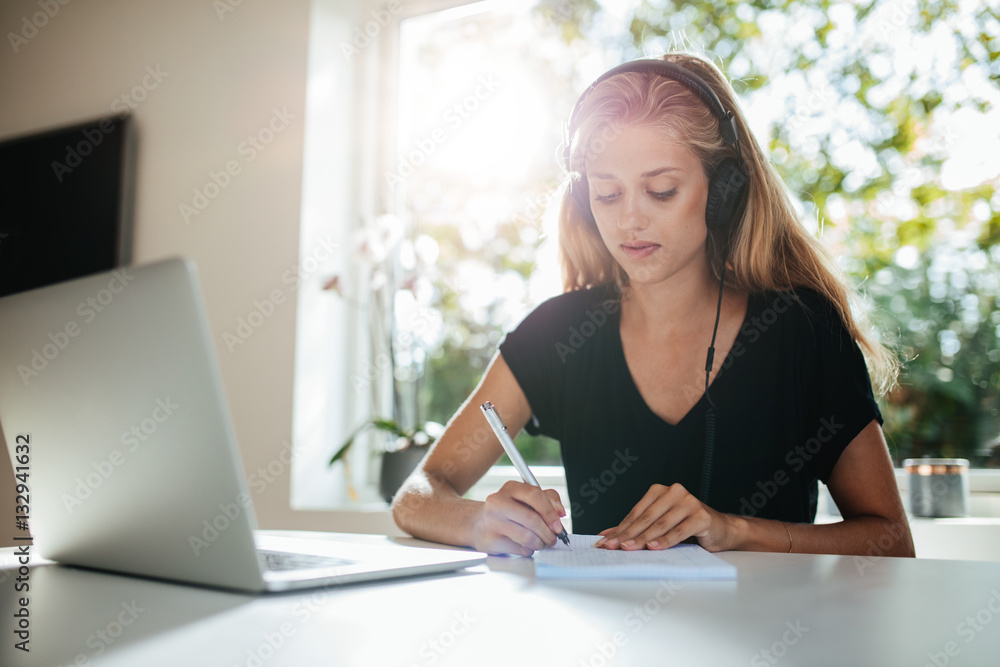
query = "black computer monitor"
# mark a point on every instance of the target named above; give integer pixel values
(65, 203)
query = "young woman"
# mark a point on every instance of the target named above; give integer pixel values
(666, 251)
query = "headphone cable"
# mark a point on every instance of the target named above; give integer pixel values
(706, 466)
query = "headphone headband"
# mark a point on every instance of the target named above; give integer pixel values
(727, 186)
(669, 70)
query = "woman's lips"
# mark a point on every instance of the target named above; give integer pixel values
(639, 249)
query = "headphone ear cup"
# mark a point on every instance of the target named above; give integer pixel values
(725, 192)
(580, 189)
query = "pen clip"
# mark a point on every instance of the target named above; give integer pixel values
(490, 411)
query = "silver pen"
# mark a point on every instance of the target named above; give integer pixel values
(500, 429)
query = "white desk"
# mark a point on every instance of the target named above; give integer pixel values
(806, 610)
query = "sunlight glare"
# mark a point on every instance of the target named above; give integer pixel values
(505, 134)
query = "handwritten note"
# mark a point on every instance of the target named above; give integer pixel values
(585, 561)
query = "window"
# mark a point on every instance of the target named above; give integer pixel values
(482, 92)
(881, 119)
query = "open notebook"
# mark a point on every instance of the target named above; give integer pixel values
(585, 561)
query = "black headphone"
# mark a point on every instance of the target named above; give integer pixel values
(728, 182)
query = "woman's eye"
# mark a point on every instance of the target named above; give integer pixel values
(664, 195)
(605, 198)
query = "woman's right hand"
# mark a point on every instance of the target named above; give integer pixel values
(431, 505)
(518, 519)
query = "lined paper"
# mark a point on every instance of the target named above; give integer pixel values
(585, 561)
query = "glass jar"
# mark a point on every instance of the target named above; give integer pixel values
(938, 487)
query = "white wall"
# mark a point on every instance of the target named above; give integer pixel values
(223, 77)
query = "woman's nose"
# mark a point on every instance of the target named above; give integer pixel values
(631, 216)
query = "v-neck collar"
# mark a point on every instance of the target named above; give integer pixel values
(698, 407)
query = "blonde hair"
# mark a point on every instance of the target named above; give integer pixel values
(768, 247)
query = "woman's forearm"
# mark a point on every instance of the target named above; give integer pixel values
(860, 536)
(427, 507)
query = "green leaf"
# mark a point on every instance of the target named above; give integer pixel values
(380, 423)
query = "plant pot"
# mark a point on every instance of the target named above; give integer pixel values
(397, 466)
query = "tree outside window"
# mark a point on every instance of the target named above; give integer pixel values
(881, 117)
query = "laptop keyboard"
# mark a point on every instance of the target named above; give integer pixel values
(283, 560)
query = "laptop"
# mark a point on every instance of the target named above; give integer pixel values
(111, 386)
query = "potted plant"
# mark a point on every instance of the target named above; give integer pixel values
(403, 451)
(402, 447)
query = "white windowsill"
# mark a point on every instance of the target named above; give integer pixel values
(984, 485)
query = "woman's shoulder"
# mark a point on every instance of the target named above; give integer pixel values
(803, 303)
(802, 311)
(559, 314)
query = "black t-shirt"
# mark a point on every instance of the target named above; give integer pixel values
(792, 393)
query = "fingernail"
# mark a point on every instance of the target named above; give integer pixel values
(653, 545)
(628, 544)
(612, 542)
(556, 527)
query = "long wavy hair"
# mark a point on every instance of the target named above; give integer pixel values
(766, 248)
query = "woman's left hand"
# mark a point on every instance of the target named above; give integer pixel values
(668, 515)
